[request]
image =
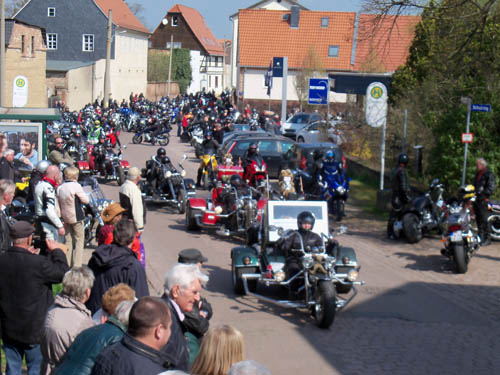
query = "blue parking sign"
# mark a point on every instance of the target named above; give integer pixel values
(318, 91)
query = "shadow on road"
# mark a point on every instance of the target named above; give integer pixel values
(435, 263)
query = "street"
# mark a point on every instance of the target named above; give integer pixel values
(414, 316)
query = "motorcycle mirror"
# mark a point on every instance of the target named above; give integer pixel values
(124, 147)
(184, 157)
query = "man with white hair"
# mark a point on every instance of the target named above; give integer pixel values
(7, 169)
(249, 367)
(131, 198)
(7, 191)
(182, 290)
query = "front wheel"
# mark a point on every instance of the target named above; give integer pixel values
(137, 139)
(325, 305)
(339, 209)
(190, 220)
(164, 141)
(460, 258)
(181, 201)
(411, 228)
(121, 175)
(494, 226)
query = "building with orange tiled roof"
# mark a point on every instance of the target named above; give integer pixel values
(336, 41)
(76, 55)
(185, 28)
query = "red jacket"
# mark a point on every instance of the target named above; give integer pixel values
(105, 237)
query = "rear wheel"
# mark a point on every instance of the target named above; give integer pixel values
(460, 258)
(300, 140)
(205, 180)
(190, 220)
(181, 201)
(137, 139)
(238, 280)
(494, 226)
(412, 231)
(325, 306)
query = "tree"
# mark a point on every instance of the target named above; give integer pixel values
(311, 67)
(181, 68)
(12, 6)
(454, 54)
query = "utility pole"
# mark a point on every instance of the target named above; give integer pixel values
(2, 55)
(107, 73)
(170, 63)
(284, 90)
(468, 102)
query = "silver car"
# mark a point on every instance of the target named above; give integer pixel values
(297, 122)
(311, 134)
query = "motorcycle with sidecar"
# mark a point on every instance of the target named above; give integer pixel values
(324, 275)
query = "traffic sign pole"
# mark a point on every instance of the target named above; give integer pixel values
(285, 82)
(466, 145)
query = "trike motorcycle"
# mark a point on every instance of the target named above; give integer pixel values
(323, 276)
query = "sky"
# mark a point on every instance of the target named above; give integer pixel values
(216, 12)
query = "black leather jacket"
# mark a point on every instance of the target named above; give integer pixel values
(484, 183)
(400, 188)
(310, 240)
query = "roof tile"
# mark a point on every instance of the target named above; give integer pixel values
(121, 15)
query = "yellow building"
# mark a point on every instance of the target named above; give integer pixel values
(25, 63)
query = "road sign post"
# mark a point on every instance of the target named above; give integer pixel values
(468, 102)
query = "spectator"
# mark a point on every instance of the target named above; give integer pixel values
(46, 205)
(112, 215)
(81, 355)
(7, 191)
(59, 155)
(28, 154)
(484, 184)
(26, 294)
(71, 198)
(196, 321)
(67, 317)
(249, 367)
(221, 348)
(7, 169)
(3, 144)
(182, 290)
(116, 263)
(139, 350)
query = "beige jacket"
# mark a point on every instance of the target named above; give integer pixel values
(71, 210)
(133, 193)
(65, 320)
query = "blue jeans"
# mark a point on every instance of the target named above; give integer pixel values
(179, 129)
(14, 353)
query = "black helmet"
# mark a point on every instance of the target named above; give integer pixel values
(403, 159)
(209, 134)
(161, 152)
(305, 217)
(108, 144)
(165, 160)
(235, 180)
(102, 136)
(252, 147)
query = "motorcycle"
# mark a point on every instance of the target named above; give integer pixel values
(209, 167)
(173, 188)
(196, 134)
(323, 276)
(494, 219)
(335, 190)
(426, 213)
(92, 223)
(460, 242)
(146, 135)
(114, 167)
(255, 173)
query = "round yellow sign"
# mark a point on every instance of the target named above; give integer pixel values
(20, 82)
(376, 92)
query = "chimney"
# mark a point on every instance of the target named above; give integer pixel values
(294, 17)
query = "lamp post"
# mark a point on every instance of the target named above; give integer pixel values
(227, 43)
(107, 73)
(2, 54)
(467, 101)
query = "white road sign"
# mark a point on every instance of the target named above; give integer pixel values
(376, 104)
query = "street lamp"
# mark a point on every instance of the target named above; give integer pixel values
(227, 43)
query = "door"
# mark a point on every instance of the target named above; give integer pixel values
(269, 151)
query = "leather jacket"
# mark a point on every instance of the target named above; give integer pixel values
(310, 240)
(400, 188)
(484, 183)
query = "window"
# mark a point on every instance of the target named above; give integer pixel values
(51, 41)
(22, 44)
(32, 46)
(333, 51)
(324, 21)
(88, 43)
(285, 146)
(175, 21)
(51, 12)
(176, 45)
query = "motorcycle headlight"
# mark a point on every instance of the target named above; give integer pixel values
(352, 275)
(183, 173)
(239, 203)
(105, 204)
(218, 210)
(307, 262)
(168, 174)
(279, 276)
(341, 190)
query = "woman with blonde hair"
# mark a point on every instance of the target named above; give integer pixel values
(221, 348)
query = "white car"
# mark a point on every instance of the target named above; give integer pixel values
(310, 134)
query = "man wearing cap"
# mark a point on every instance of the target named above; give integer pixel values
(131, 198)
(26, 280)
(196, 321)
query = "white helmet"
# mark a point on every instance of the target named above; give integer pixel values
(42, 166)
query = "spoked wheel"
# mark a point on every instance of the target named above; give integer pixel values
(494, 226)
(121, 176)
(181, 201)
(137, 139)
(164, 141)
(325, 306)
(412, 230)
(460, 258)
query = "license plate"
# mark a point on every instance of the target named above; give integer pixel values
(456, 236)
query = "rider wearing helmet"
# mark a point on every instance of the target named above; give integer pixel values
(400, 192)
(228, 197)
(303, 236)
(36, 176)
(95, 132)
(154, 167)
(209, 145)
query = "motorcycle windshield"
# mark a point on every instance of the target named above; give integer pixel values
(209, 151)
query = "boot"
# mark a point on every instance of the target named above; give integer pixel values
(198, 178)
(485, 239)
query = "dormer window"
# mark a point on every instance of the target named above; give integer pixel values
(333, 51)
(51, 12)
(324, 21)
(175, 21)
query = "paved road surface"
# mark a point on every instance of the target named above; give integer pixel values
(414, 316)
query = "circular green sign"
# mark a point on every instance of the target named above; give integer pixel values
(376, 92)
(20, 82)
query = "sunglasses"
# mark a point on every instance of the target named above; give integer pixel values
(59, 143)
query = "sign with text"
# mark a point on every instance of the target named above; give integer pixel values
(376, 104)
(318, 91)
(480, 108)
(467, 137)
(278, 67)
(20, 91)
